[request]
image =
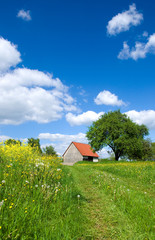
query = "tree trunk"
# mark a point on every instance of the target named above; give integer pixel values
(116, 156)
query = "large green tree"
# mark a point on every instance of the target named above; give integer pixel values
(120, 133)
(153, 150)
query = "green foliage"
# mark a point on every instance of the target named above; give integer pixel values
(12, 142)
(153, 150)
(49, 150)
(35, 143)
(117, 131)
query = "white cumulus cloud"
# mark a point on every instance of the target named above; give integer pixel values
(29, 95)
(107, 98)
(146, 117)
(24, 97)
(9, 55)
(85, 118)
(25, 15)
(139, 51)
(3, 138)
(124, 21)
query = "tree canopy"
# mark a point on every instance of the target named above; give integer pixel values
(49, 150)
(35, 143)
(120, 133)
(153, 150)
(12, 142)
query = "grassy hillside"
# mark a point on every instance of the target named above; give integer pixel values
(42, 199)
(120, 198)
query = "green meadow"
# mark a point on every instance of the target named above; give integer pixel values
(42, 199)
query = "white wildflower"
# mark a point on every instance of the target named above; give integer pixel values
(1, 203)
(27, 181)
(78, 196)
(58, 169)
(36, 185)
(3, 181)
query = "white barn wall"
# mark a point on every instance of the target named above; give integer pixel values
(72, 155)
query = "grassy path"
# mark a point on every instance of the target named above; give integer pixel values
(115, 208)
(93, 206)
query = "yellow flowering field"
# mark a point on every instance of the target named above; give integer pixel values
(38, 198)
(29, 182)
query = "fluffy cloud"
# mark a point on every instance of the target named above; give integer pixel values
(146, 117)
(85, 118)
(9, 55)
(108, 98)
(139, 51)
(29, 95)
(25, 15)
(60, 142)
(24, 97)
(123, 21)
(4, 138)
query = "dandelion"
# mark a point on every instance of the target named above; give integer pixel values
(33, 200)
(3, 181)
(0, 227)
(78, 196)
(10, 207)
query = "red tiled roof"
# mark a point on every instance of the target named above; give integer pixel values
(85, 149)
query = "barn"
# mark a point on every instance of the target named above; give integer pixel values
(79, 152)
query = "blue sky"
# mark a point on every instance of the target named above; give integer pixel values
(64, 63)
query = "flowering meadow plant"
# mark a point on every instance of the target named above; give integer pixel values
(29, 182)
(36, 196)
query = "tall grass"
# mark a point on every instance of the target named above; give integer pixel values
(128, 194)
(38, 199)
